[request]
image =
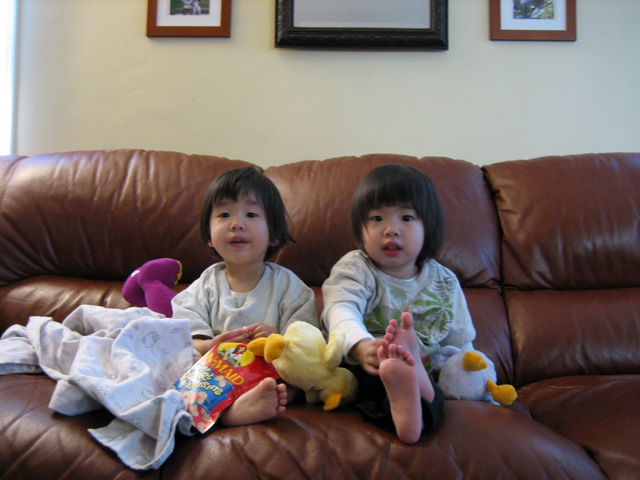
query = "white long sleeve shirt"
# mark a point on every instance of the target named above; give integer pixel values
(279, 299)
(360, 299)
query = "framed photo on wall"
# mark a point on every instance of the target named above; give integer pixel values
(533, 19)
(189, 18)
(377, 24)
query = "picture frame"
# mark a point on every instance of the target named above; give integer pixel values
(421, 24)
(554, 20)
(189, 18)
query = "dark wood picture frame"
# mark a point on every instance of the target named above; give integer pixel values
(567, 31)
(433, 38)
(197, 29)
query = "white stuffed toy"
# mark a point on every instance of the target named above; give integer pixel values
(471, 375)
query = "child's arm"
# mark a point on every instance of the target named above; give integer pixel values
(345, 317)
(297, 301)
(194, 304)
(462, 333)
(345, 294)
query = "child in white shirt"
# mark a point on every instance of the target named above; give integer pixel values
(244, 296)
(398, 224)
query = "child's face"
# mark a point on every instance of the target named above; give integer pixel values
(393, 238)
(239, 231)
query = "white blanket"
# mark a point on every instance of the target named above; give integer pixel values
(123, 360)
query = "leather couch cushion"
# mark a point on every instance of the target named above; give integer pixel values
(557, 333)
(601, 413)
(569, 222)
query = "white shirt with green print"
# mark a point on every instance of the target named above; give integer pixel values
(360, 299)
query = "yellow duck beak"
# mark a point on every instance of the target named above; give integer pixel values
(257, 346)
(473, 361)
(270, 347)
(274, 347)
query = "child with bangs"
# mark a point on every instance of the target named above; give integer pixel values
(396, 305)
(245, 296)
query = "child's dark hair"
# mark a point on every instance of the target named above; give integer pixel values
(400, 184)
(235, 183)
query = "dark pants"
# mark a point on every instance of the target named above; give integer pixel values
(372, 401)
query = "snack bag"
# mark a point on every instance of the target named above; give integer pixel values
(223, 374)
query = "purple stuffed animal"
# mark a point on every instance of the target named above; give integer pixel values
(151, 285)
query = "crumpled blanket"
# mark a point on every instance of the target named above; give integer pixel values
(124, 360)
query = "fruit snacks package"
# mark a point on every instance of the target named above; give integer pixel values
(219, 377)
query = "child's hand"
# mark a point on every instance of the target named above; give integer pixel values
(237, 335)
(204, 345)
(240, 335)
(258, 330)
(366, 353)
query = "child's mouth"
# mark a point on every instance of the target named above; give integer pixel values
(391, 249)
(238, 241)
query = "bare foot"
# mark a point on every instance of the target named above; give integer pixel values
(398, 373)
(406, 337)
(262, 402)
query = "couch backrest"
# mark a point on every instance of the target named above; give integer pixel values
(318, 198)
(99, 215)
(571, 262)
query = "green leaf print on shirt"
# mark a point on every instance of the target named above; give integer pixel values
(379, 318)
(432, 311)
(438, 310)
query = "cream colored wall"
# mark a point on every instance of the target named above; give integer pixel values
(89, 78)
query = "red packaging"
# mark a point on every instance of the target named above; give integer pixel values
(223, 374)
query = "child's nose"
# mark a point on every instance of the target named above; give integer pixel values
(391, 229)
(237, 225)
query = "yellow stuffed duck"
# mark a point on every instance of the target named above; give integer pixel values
(471, 375)
(303, 359)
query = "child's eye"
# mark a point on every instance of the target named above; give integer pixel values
(252, 215)
(407, 218)
(376, 218)
(223, 215)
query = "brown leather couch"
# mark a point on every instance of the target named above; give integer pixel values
(547, 250)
